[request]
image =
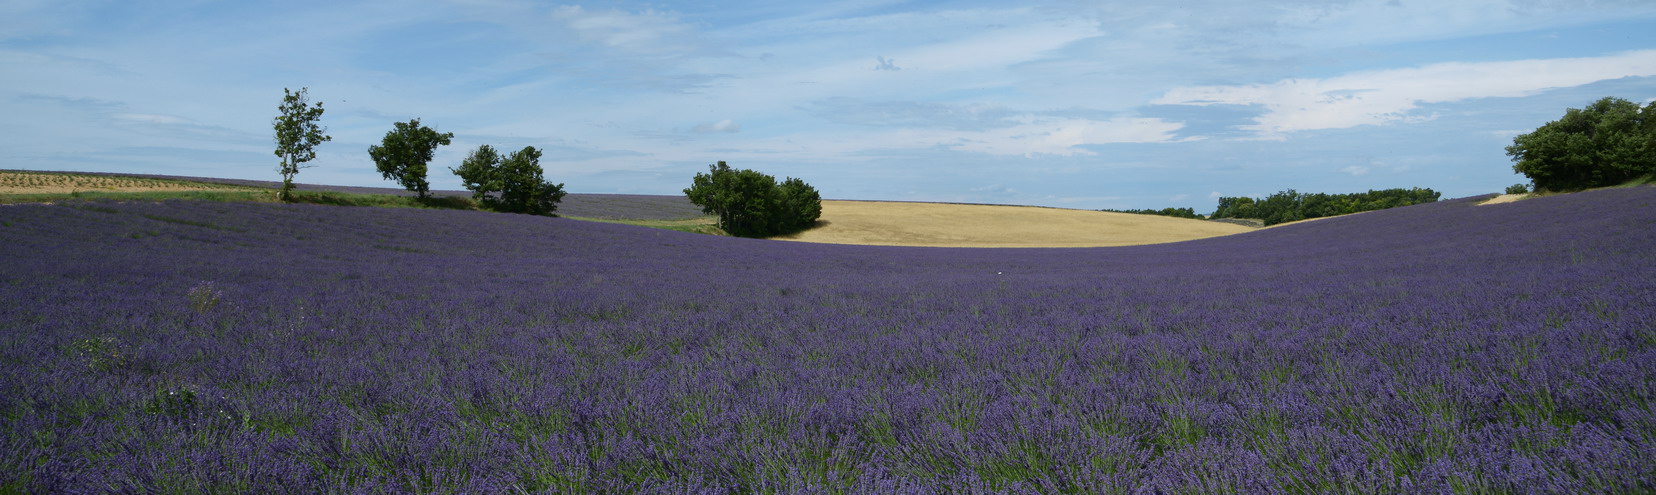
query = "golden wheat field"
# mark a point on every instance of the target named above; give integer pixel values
(1505, 198)
(886, 223)
(53, 183)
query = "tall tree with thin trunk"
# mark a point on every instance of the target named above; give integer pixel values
(297, 135)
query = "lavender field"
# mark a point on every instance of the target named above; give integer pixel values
(1447, 347)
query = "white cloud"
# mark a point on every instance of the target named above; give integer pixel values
(1032, 137)
(1062, 137)
(725, 125)
(644, 32)
(1394, 95)
(1179, 197)
(1356, 170)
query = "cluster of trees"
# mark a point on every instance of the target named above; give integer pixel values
(1610, 142)
(748, 203)
(753, 204)
(1166, 212)
(515, 183)
(1289, 205)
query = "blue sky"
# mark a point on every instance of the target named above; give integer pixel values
(1069, 104)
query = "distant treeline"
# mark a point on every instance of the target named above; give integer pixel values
(1166, 212)
(1288, 206)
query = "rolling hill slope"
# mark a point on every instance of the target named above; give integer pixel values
(328, 349)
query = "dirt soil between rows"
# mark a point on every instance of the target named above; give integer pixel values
(1504, 198)
(885, 223)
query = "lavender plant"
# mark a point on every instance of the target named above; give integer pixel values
(1420, 349)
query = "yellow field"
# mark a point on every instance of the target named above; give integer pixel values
(885, 223)
(39, 183)
(1504, 198)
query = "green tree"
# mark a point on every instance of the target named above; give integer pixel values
(752, 204)
(1236, 207)
(1609, 142)
(797, 207)
(405, 152)
(515, 184)
(297, 135)
(478, 172)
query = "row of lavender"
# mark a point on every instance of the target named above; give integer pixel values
(222, 347)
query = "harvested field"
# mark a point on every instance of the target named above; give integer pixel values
(59, 183)
(1505, 198)
(884, 223)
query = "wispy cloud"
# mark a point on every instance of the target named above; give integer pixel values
(648, 32)
(726, 126)
(1394, 95)
(963, 116)
(1066, 137)
(1030, 137)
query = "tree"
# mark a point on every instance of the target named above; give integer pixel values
(1609, 142)
(797, 206)
(752, 204)
(404, 153)
(515, 184)
(1236, 207)
(477, 173)
(297, 135)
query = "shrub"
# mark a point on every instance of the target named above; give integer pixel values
(1517, 189)
(752, 204)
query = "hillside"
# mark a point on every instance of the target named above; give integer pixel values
(330, 349)
(598, 206)
(883, 223)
